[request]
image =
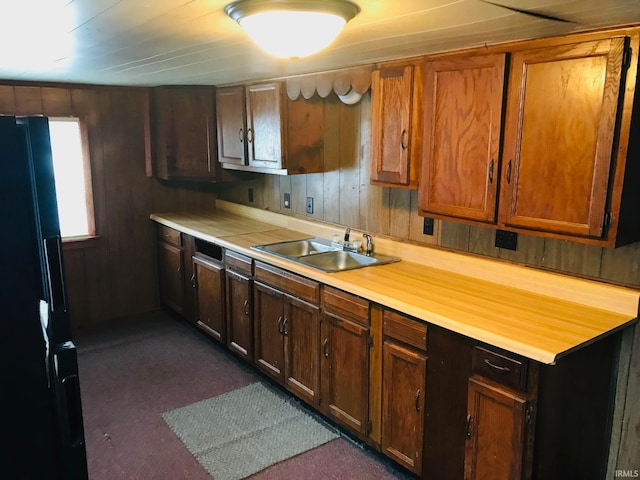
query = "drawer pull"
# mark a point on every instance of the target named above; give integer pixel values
(469, 425)
(325, 347)
(418, 401)
(497, 367)
(246, 307)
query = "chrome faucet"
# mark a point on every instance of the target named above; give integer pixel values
(369, 248)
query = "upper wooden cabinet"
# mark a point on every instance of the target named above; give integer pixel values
(183, 133)
(462, 119)
(396, 116)
(563, 166)
(561, 120)
(261, 130)
(230, 106)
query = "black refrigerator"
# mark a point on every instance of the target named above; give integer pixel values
(41, 430)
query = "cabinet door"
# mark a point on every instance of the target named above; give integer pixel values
(495, 433)
(231, 126)
(170, 276)
(462, 122)
(209, 291)
(560, 128)
(239, 317)
(264, 125)
(302, 340)
(345, 372)
(269, 329)
(404, 382)
(391, 127)
(186, 133)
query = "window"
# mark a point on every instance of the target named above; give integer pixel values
(72, 177)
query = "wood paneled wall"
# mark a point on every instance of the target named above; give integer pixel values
(115, 275)
(343, 195)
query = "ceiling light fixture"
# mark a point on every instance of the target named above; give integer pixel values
(292, 28)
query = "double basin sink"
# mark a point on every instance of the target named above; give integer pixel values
(323, 254)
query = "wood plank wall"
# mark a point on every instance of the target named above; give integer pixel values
(116, 275)
(343, 195)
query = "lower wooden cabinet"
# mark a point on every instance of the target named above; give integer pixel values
(346, 343)
(171, 276)
(208, 285)
(239, 301)
(403, 404)
(404, 389)
(269, 330)
(496, 437)
(287, 330)
(301, 346)
(171, 268)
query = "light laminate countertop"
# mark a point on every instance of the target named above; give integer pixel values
(537, 314)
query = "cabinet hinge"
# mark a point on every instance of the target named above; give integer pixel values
(626, 58)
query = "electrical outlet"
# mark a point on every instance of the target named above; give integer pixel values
(309, 204)
(251, 195)
(427, 226)
(507, 240)
(287, 200)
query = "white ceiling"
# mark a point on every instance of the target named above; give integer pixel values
(156, 42)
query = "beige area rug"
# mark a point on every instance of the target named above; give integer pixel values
(244, 431)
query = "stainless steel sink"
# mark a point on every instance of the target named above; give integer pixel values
(323, 255)
(297, 248)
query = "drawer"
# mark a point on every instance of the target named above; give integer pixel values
(169, 235)
(509, 370)
(345, 305)
(288, 282)
(407, 330)
(238, 263)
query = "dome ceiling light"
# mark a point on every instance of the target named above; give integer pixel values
(292, 28)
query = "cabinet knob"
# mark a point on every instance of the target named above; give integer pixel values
(193, 280)
(325, 347)
(469, 425)
(418, 401)
(284, 326)
(403, 139)
(509, 172)
(491, 165)
(246, 307)
(241, 135)
(249, 135)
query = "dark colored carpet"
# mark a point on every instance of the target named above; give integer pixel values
(133, 371)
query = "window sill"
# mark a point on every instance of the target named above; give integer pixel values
(76, 243)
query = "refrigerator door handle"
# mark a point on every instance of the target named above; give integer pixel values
(44, 322)
(71, 404)
(69, 411)
(55, 276)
